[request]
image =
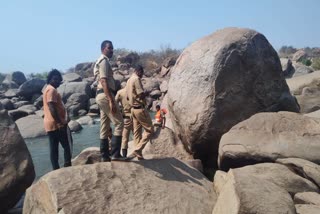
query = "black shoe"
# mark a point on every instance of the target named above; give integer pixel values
(67, 164)
(105, 159)
(119, 158)
(116, 146)
(104, 150)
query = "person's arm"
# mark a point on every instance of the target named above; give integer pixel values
(103, 80)
(139, 90)
(54, 112)
(107, 92)
(52, 102)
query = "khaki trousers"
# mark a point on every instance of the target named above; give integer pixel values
(126, 132)
(141, 119)
(106, 116)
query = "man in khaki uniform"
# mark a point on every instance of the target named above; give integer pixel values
(121, 98)
(109, 109)
(140, 115)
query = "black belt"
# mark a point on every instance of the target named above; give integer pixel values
(137, 107)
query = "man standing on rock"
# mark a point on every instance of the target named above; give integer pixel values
(55, 120)
(140, 115)
(109, 109)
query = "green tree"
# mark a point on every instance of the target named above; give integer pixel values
(306, 62)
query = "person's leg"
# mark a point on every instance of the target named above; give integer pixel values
(144, 119)
(117, 120)
(137, 128)
(104, 127)
(125, 135)
(54, 149)
(63, 138)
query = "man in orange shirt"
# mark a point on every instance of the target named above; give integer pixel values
(55, 120)
(160, 119)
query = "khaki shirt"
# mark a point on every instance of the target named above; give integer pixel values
(122, 98)
(51, 94)
(102, 69)
(134, 88)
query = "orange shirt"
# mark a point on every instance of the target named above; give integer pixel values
(160, 115)
(50, 94)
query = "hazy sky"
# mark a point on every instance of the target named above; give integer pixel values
(37, 35)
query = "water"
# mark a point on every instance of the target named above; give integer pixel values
(39, 147)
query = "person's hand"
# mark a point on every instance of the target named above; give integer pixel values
(60, 125)
(112, 106)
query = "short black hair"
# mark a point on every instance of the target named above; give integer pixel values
(139, 68)
(52, 73)
(104, 44)
(158, 106)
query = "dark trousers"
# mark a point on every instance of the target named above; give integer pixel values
(59, 135)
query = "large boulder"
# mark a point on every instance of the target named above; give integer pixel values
(94, 109)
(309, 99)
(266, 137)
(299, 55)
(261, 188)
(307, 91)
(314, 114)
(75, 102)
(31, 87)
(150, 84)
(11, 93)
(67, 89)
(30, 109)
(305, 168)
(17, 114)
(307, 198)
(7, 104)
(31, 126)
(85, 120)
(74, 126)
(18, 77)
(301, 69)
(89, 155)
(307, 209)
(84, 69)
(296, 84)
(21, 103)
(153, 186)
(165, 144)
(16, 170)
(164, 86)
(72, 77)
(220, 80)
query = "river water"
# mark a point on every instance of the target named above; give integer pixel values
(39, 147)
